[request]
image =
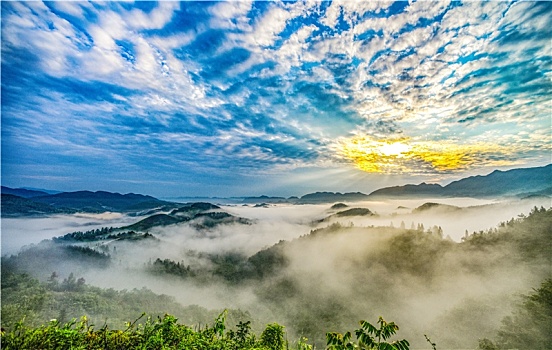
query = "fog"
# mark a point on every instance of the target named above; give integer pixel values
(19, 232)
(472, 215)
(363, 270)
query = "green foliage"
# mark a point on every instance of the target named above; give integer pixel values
(273, 337)
(268, 261)
(486, 344)
(243, 336)
(167, 266)
(86, 236)
(162, 333)
(303, 345)
(526, 234)
(24, 297)
(530, 326)
(45, 257)
(369, 337)
(414, 257)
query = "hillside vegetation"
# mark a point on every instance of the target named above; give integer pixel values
(316, 284)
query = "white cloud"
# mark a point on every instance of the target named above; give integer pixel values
(394, 88)
(72, 8)
(268, 27)
(230, 15)
(156, 19)
(412, 39)
(332, 14)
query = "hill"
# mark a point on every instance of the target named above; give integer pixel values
(267, 199)
(355, 212)
(331, 197)
(101, 201)
(435, 206)
(421, 190)
(13, 206)
(500, 183)
(153, 221)
(310, 198)
(200, 215)
(41, 203)
(23, 192)
(496, 184)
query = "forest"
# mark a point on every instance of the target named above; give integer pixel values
(490, 290)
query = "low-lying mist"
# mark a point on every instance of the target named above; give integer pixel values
(19, 232)
(331, 271)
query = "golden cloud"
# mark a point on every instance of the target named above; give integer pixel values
(404, 155)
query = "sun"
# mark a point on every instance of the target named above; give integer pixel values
(394, 148)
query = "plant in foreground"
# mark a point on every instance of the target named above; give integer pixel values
(166, 333)
(369, 338)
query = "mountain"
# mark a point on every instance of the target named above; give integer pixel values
(101, 201)
(331, 197)
(153, 221)
(338, 206)
(310, 198)
(355, 212)
(30, 202)
(547, 192)
(522, 183)
(41, 190)
(200, 215)
(498, 183)
(267, 199)
(13, 206)
(421, 190)
(501, 183)
(435, 206)
(23, 192)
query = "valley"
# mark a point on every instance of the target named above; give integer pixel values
(425, 263)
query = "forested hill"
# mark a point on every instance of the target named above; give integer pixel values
(318, 282)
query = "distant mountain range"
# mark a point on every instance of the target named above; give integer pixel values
(311, 198)
(524, 182)
(515, 182)
(23, 202)
(13, 206)
(23, 192)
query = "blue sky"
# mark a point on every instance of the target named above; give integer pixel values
(279, 98)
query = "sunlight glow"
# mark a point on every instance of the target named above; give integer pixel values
(394, 149)
(405, 155)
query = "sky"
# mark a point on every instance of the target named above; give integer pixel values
(280, 98)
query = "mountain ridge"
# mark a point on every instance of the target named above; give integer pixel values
(495, 184)
(515, 182)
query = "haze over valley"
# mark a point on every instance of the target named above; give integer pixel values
(426, 263)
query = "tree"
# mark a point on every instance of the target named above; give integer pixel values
(369, 337)
(530, 326)
(273, 337)
(52, 281)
